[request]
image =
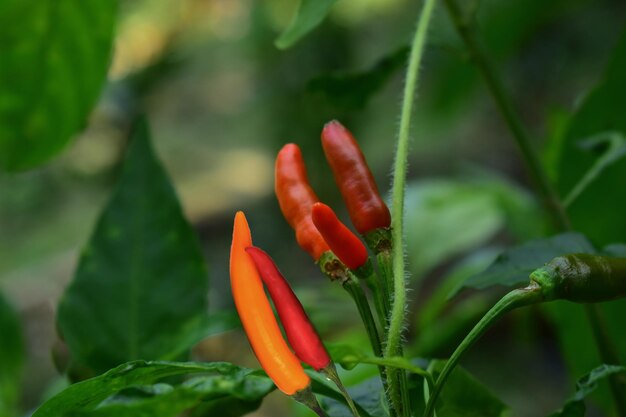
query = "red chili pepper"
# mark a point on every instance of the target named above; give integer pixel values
(367, 209)
(345, 244)
(300, 332)
(296, 199)
(258, 319)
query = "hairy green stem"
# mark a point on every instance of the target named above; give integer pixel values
(396, 320)
(467, 30)
(514, 299)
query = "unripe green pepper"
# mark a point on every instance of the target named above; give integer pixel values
(582, 278)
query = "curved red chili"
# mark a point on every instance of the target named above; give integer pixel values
(296, 199)
(367, 209)
(300, 332)
(345, 244)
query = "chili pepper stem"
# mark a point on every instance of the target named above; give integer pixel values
(307, 398)
(514, 299)
(366, 274)
(356, 292)
(330, 372)
(336, 271)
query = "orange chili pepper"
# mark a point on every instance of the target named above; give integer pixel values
(257, 316)
(296, 199)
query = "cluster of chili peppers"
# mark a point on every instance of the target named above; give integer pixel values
(342, 256)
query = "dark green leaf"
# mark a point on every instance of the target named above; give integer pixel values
(575, 406)
(140, 290)
(130, 390)
(514, 265)
(54, 62)
(368, 396)
(615, 249)
(464, 396)
(11, 358)
(579, 346)
(352, 91)
(593, 212)
(476, 262)
(445, 218)
(310, 14)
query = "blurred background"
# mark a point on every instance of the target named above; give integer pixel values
(221, 100)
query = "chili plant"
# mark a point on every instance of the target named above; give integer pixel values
(136, 312)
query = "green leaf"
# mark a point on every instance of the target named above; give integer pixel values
(514, 265)
(11, 358)
(575, 406)
(54, 62)
(130, 390)
(431, 309)
(140, 289)
(615, 249)
(445, 218)
(464, 396)
(593, 212)
(576, 338)
(352, 91)
(310, 14)
(368, 396)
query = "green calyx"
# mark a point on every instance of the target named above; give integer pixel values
(546, 280)
(379, 240)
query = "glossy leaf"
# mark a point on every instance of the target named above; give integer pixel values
(137, 389)
(309, 15)
(465, 396)
(575, 406)
(54, 61)
(352, 91)
(11, 358)
(593, 212)
(514, 265)
(140, 289)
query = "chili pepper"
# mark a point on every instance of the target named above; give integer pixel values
(260, 325)
(367, 209)
(258, 318)
(300, 332)
(582, 278)
(296, 199)
(348, 248)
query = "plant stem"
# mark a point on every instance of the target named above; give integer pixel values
(514, 299)
(396, 320)
(467, 30)
(353, 288)
(331, 373)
